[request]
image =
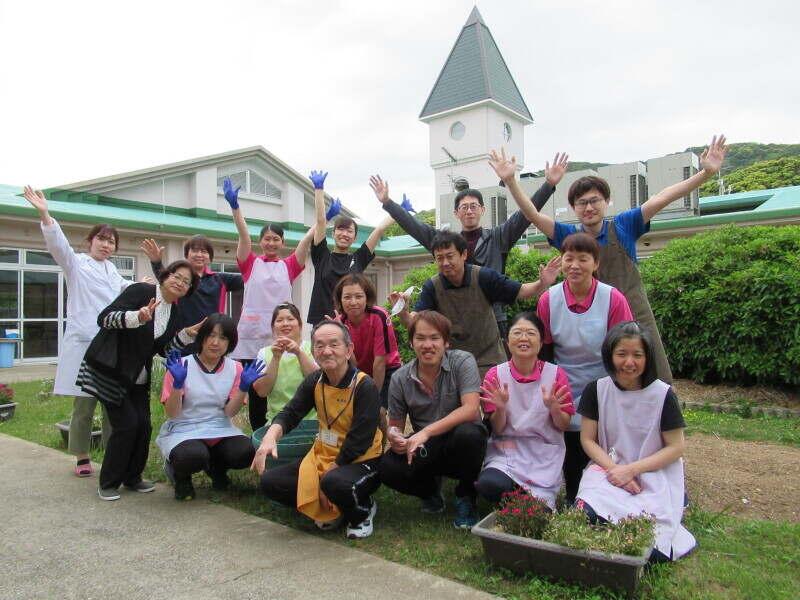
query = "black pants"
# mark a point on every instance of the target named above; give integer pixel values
(129, 443)
(575, 461)
(457, 454)
(383, 396)
(256, 405)
(493, 483)
(349, 487)
(193, 456)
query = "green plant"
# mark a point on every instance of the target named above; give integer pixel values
(45, 389)
(6, 394)
(521, 513)
(571, 528)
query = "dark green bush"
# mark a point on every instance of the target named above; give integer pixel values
(727, 304)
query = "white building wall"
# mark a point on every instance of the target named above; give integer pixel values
(668, 170)
(557, 208)
(619, 181)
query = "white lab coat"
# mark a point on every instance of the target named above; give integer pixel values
(91, 286)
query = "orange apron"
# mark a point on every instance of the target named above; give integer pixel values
(335, 414)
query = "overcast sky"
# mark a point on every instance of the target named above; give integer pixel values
(90, 88)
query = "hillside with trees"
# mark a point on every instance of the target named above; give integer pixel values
(765, 175)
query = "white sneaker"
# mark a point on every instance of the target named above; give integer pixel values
(329, 525)
(363, 529)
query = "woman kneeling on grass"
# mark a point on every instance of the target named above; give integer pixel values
(529, 405)
(632, 430)
(201, 393)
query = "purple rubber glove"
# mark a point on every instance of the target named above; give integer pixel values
(231, 195)
(249, 374)
(406, 204)
(178, 369)
(334, 209)
(318, 179)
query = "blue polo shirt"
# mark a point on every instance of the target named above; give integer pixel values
(497, 287)
(630, 226)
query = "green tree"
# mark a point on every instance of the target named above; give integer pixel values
(765, 175)
(426, 216)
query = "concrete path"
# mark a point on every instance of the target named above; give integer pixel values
(30, 372)
(59, 540)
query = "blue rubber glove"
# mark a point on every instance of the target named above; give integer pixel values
(231, 195)
(334, 209)
(406, 204)
(318, 179)
(249, 374)
(178, 369)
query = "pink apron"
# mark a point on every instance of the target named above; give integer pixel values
(267, 287)
(530, 449)
(630, 424)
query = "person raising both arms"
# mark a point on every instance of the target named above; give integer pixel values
(329, 266)
(589, 197)
(486, 247)
(267, 283)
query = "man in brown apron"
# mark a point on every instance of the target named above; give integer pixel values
(589, 198)
(336, 479)
(465, 293)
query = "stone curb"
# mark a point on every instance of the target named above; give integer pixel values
(767, 411)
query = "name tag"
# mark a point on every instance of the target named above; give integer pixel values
(329, 438)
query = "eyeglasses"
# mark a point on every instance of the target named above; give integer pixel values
(471, 207)
(182, 280)
(584, 203)
(518, 334)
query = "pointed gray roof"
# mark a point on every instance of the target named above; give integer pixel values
(474, 71)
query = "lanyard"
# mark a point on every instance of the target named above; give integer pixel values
(344, 408)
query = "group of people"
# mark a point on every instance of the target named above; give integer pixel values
(576, 393)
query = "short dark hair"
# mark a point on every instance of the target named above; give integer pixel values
(198, 242)
(276, 229)
(629, 330)
(104, 230)
(354, 279)
(445, 239)
(348, 339)
(435, 319)
(286, 306)
(174, 266)
(343, 222)
(468, 192)
(226, 324)
(528, 315)
(581, 242)
(586, 184)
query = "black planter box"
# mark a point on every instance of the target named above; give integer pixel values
(588, 567)
(7, 411)
(97, 436)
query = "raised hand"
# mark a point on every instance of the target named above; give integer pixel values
(380, 187)
(192, 331)
(406, 204)
(318, 179)
(549, 273)
(554, 173)
(151, 248)
(231, 195)
(146, 313)
(177, 368)
(250, 373)
(36, 198)
(495, 394)
(334, 209)
(712, 157)
(558, 398)
(505, 168)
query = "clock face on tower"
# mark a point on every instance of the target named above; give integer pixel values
(457, 130)
(507, 132)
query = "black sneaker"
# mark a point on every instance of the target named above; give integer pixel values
(434, 504)
(184, 490)
(108, 493)
(142, 486)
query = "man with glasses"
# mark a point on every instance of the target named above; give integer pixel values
(589, 197)
(486, 247)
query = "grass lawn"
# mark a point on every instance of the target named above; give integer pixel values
(737, 558)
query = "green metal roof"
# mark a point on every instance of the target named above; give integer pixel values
(474, 71)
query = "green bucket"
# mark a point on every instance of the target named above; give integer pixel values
(293, 446)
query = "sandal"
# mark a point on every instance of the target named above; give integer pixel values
(84, 470)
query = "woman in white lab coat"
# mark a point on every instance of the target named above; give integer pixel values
(92, 284)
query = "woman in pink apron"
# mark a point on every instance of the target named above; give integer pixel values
(267, 283)
(632, 431)
(529, 404)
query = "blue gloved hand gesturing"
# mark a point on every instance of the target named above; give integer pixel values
(334, 209)
(231, 195)
(406, 204)
(318, 179)
(178, 369)
(250, 373)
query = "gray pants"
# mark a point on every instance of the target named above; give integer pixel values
(80, 425)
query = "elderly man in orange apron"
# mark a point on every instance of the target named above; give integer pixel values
(589, 197)
(336, 479)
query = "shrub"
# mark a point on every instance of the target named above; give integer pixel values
(520, 513)
(6, 394)
(726, 303)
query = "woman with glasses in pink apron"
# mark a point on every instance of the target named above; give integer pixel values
(267, 283)
(632, 431)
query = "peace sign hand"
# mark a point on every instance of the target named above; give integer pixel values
(192, 331)
(146, 313)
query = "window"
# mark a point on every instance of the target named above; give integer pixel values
(687, 200)
(457, 130)
(634, 195)
(642, 189)
(126, 265)
(252, 183)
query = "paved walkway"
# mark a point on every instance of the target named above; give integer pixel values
(28, 372)
(59, 540)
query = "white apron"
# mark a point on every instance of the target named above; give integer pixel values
(530, 449)
(578, 339)
(91, 286)
(630, 423)
(267, 286)
(203, 411)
